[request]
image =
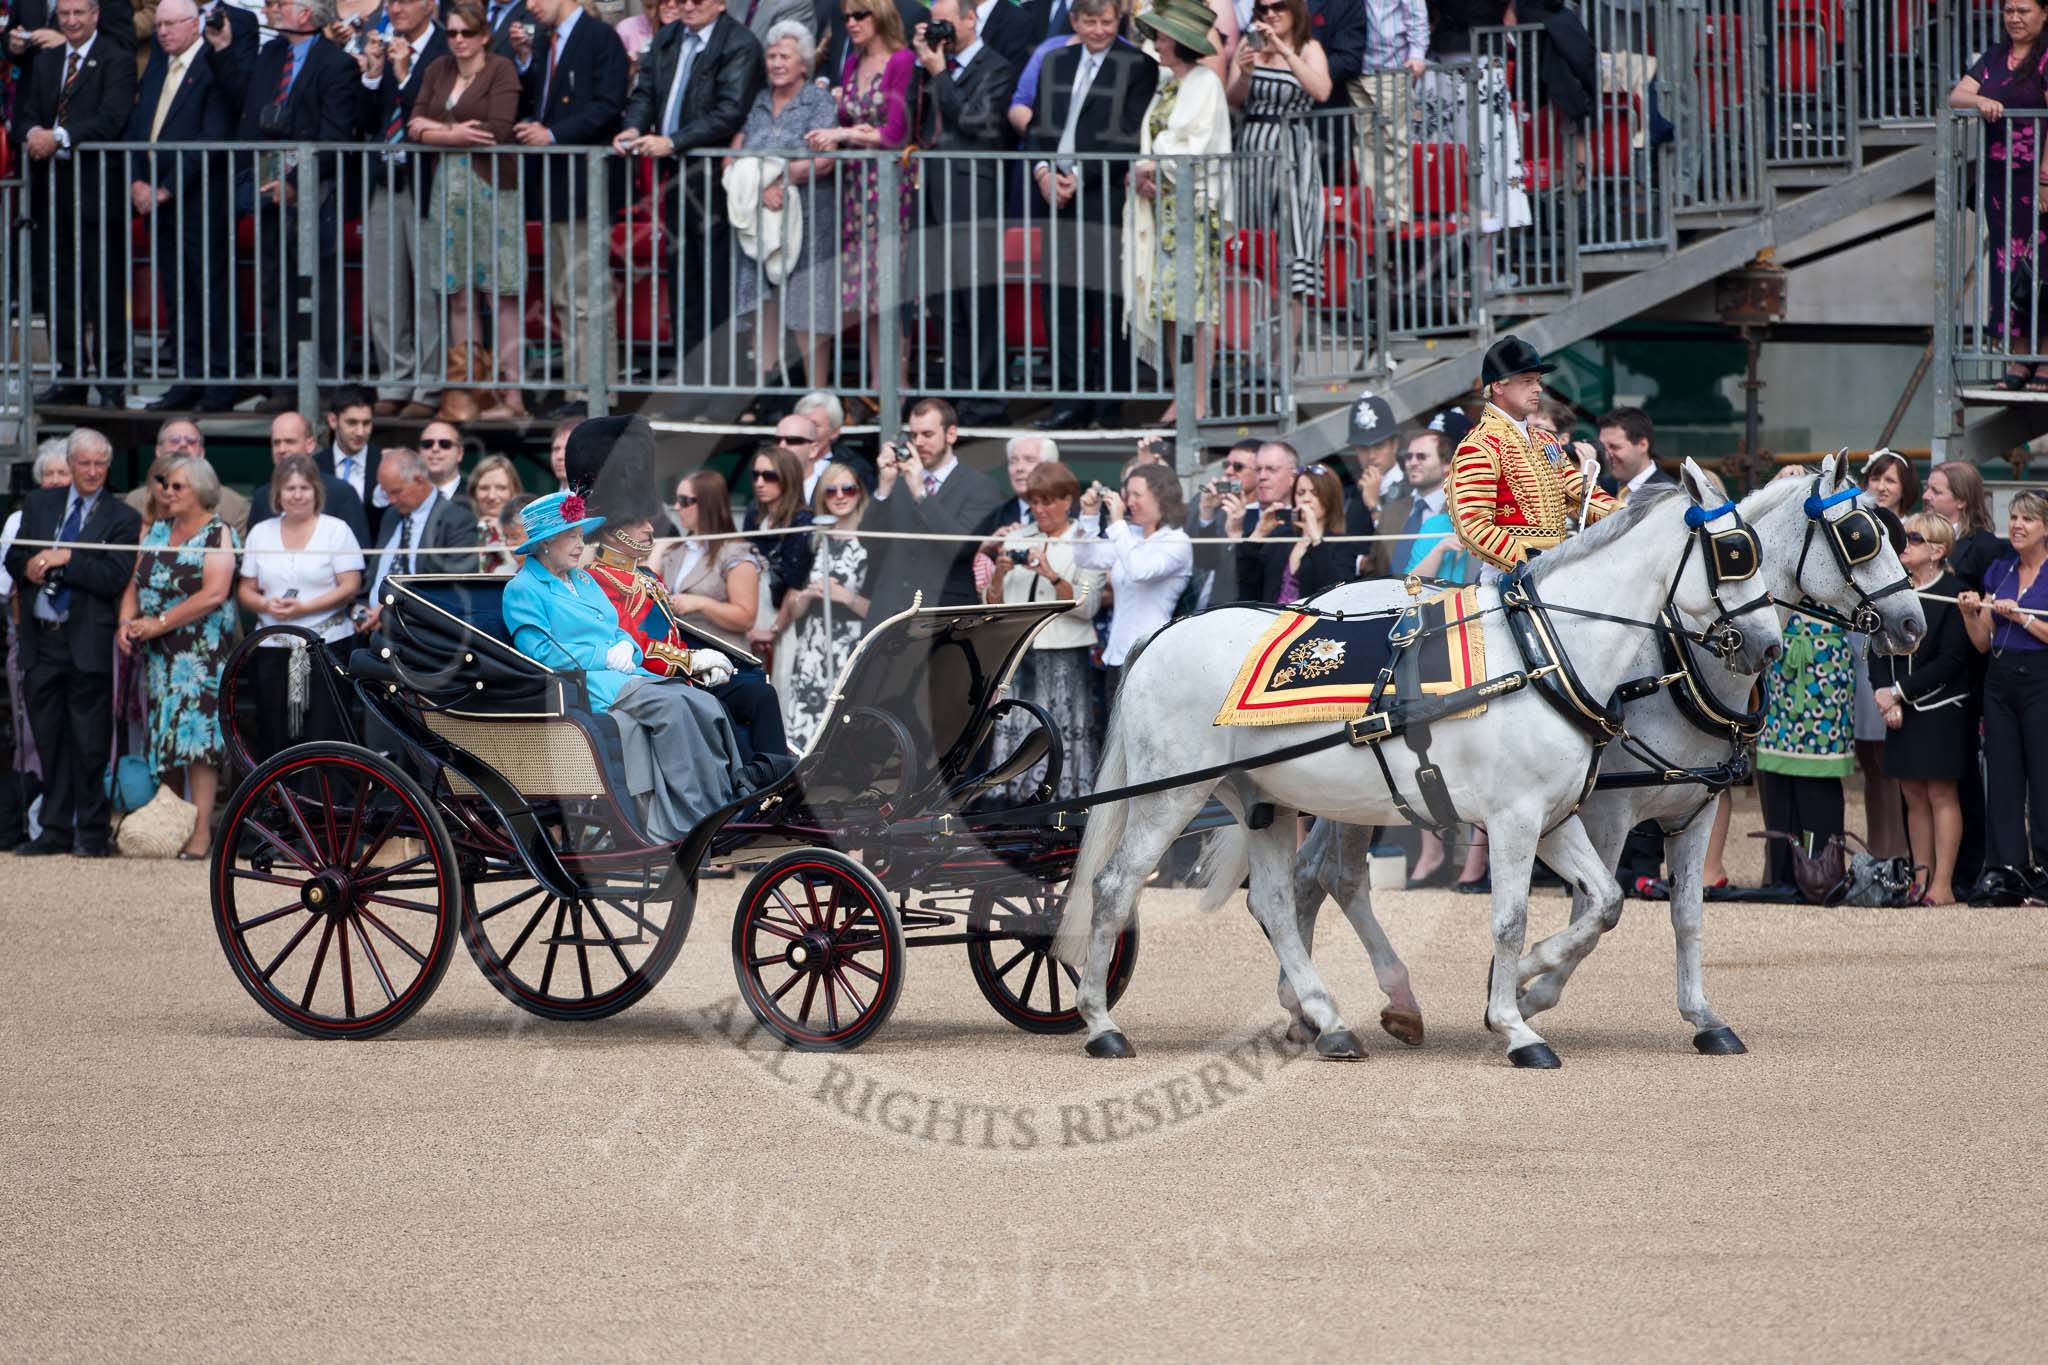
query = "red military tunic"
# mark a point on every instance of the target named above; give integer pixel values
(642, 604)
(1508, 496)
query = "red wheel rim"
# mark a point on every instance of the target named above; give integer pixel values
(818, 959)
(348, 932)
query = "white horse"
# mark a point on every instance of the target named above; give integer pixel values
(1519, 769)
(1797, 563)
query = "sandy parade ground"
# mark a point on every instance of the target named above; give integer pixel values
(188, 1179)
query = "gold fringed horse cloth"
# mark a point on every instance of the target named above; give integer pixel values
(1308, 667)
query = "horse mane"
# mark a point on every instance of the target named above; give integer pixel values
(1612, 527)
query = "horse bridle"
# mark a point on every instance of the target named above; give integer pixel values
(1854, 539)
(1731, 556)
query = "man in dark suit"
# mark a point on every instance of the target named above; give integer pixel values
(77, 93)
(1091, 97)
(698, 79)
(69, 605)
(499, 17)
(292, 434)
(405, 341)
(31, 22)
(574, 73)
(1046, 19)
(927, 490)
(964, 96)
(421, 519)
(1009, 29)
(1625, 436)
(182, 196)
(298, 87)
(350, 456)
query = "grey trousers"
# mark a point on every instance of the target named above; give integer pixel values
(406, 328)
(682, 757)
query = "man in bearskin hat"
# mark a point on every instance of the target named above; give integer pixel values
(1513, 484)
(609, 461)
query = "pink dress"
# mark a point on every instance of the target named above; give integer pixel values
(885, 103)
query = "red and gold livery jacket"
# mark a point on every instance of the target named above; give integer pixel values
(1510, 494)
(642, 604)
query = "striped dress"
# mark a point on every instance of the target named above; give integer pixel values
(1278, 196)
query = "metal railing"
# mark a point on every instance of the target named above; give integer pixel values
(1989, 240)
(1308, 259)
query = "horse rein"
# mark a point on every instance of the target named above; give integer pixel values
(1854, 539)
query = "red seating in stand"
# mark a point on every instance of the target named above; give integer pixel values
(1437, 190)
(1026, 324)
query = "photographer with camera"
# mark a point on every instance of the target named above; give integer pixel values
(923, 487)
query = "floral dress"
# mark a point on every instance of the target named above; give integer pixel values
(1809, 730)
(806, 663)
(1207, 256)
(884, 102)
(184, 665)
(2011, 216)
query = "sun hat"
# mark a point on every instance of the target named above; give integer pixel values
(545, 518)
(1187, 22)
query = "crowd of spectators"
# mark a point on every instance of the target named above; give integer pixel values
(454, 251)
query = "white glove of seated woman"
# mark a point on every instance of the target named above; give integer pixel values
(622, 658)
(710, 668)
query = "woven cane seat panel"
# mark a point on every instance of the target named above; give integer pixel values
(540, 758)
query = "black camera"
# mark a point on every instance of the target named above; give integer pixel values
(274, 119)
(218, 20)
(1020, 556)
(53, 582)
(1225, 487)
(1285, 516)
(939, 33)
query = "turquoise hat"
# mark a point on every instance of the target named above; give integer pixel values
(545, 518)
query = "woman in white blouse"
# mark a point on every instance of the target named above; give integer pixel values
(1035, 563)
(303, 568)
(1149, 558)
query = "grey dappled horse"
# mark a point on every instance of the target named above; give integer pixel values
(1333, 859)
(1518, 769)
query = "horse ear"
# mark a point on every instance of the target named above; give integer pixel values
(1834, 470)
(1694, 480)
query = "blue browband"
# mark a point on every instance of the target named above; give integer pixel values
(1696, 517)
(1816, 504)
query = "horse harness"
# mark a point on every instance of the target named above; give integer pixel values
(1854, 539)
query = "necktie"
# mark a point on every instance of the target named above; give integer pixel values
(931, 484)
(670, 116)
(284, 80)
(1417, 510)
(547, 87)
(405, 543)
(169, 93)
(348, 470)
(1057, 24)
(1084, 78)
(70, 79)
(74, 521)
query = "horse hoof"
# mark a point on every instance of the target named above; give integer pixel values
(1341, 1045)
(1718, 1042)
(1402, 1026)
(1111, 1045)
(1535, 1057)
(1301, 1031)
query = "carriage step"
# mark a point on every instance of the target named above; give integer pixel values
(588, 941)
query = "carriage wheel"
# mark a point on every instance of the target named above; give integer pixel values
(335, 891)
(818, 951)
(1016, 970)
(576, 959)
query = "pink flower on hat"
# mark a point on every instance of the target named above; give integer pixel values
(572, 508)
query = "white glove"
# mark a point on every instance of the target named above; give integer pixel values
(710, 668)
(622, 658)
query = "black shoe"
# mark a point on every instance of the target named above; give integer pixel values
(1108, 415)
(1066, 417)
(1999, 886)
(38, 848)
(278, 400)
(92, 851)
(982, 412)
(1443, 876)
(112, 396)
(1650, 889)
(62, 395)
(177, 398)
(575, 407)
(1482, 887)
(216, 400)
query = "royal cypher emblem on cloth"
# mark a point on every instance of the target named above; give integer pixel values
(1308, 668)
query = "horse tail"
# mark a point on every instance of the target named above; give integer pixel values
(1226, 858)
(1099, 839)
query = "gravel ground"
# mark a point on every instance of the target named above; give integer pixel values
(188, 1179)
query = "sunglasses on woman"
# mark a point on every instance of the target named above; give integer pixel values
(685, 500)
(462, 33)
(1269, 9)
(1915, 538)
(842, 490)
(767, 476)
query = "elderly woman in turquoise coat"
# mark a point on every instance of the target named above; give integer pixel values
(682, 757)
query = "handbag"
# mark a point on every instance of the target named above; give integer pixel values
(160, 828)
(1836, 875)
(130, 784)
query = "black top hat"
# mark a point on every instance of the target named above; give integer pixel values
(610, 462)
(1509, 357)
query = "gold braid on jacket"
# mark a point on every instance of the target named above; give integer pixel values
(1510, 494)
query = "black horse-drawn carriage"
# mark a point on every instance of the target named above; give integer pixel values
(480, 798)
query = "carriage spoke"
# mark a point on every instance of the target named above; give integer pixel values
(348, 976)
(1073, 977)
(783, 989)
(376, 845)
(582, 949)
(250, 874)
(609, 936)
(767, 927)
(504, 905)
(397, 904)
(860, 1005)
(526, 933)
(280, 913)
(382, 873)
(1031, 979)
(869, 972)
(818, 920)
(291, 805)
(831, 1004)
(547, 971)
(355, 822)
(630, 913)
(415, 954)
(803, 1014)
(334, 843)
(1052, 983)
(1022, 953)
(286, 951)
(376, 963)
(264, 832)
(319, 959)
